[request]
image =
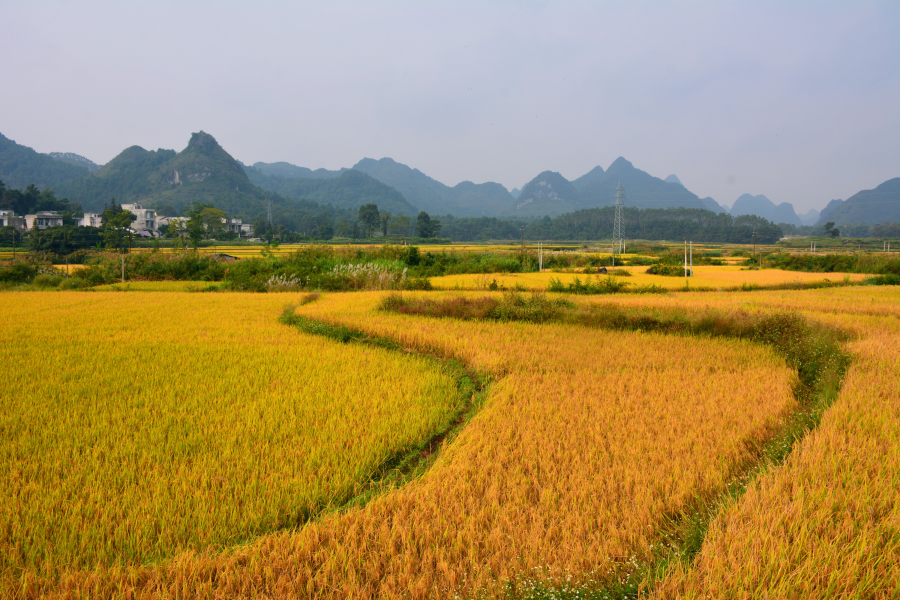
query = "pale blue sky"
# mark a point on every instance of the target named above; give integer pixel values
(799, 101)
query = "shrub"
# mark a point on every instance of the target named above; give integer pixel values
(889, 279)
(18, 272)
(605, 285)
(45, 281)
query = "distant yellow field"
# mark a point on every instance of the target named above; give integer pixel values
(157, 286)
(245, 251)
(705, 277)
(72, 269)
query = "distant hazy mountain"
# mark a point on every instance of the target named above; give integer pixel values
(829, 208)
(283, 169)
(350, 190)
(547, 194)
(466, 199)
(202, 172)
(515, 192)
(75, 159)
(714, 206)
(868, 206)
(763, 207)
(21, 166)
(810, 217)
(598, 188)
(673, 179)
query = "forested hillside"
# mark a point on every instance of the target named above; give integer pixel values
(21, 166)
(430, 195)
(350, 190)
(695, 224)
(75, 159)
(284, 169)
(748, 204)
(642, 190)
(868, 206)
(547, 194)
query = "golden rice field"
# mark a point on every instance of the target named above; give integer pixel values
(826, 523)
(137, 426)
(157, 286)
(247, 251)
(705, 278)
(588, 441)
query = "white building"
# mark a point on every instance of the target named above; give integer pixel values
(9, 219)
(43, 219)
(146, 218)
(91, 220)
(238, 227)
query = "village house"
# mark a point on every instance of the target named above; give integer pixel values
(91, 220)
(9, 219)
(43, 219)
(146, 219)
(239, 227)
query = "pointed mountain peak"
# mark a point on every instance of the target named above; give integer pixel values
(620, 164)
(203, 142)
(674, 179)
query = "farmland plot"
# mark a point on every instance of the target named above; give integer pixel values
(135, 426)
(589, 440)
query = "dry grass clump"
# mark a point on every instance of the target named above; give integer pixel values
(536, 307)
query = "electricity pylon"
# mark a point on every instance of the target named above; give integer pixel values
(618, 239)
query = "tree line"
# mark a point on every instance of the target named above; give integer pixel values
(593, 224)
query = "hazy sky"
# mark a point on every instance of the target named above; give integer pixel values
(797, 101)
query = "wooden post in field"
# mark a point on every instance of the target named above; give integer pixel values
(685, 258)
(123, 265)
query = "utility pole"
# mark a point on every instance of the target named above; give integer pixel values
(692, 258)
(618, 241)
(523, 237)
(685, 258)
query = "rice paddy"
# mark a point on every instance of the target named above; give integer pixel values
(191, 445)
(712, 278)
(138, 426)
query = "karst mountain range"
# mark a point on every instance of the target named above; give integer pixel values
(205, 172)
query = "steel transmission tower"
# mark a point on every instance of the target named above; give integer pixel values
(618, 239)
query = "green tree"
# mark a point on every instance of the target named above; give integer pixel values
(385, 219)
(213, 221)
(399, 225)
(369, 217)
(195, 227)
(427, 227)
(116, 227)
(177, 230)
(830, 230)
